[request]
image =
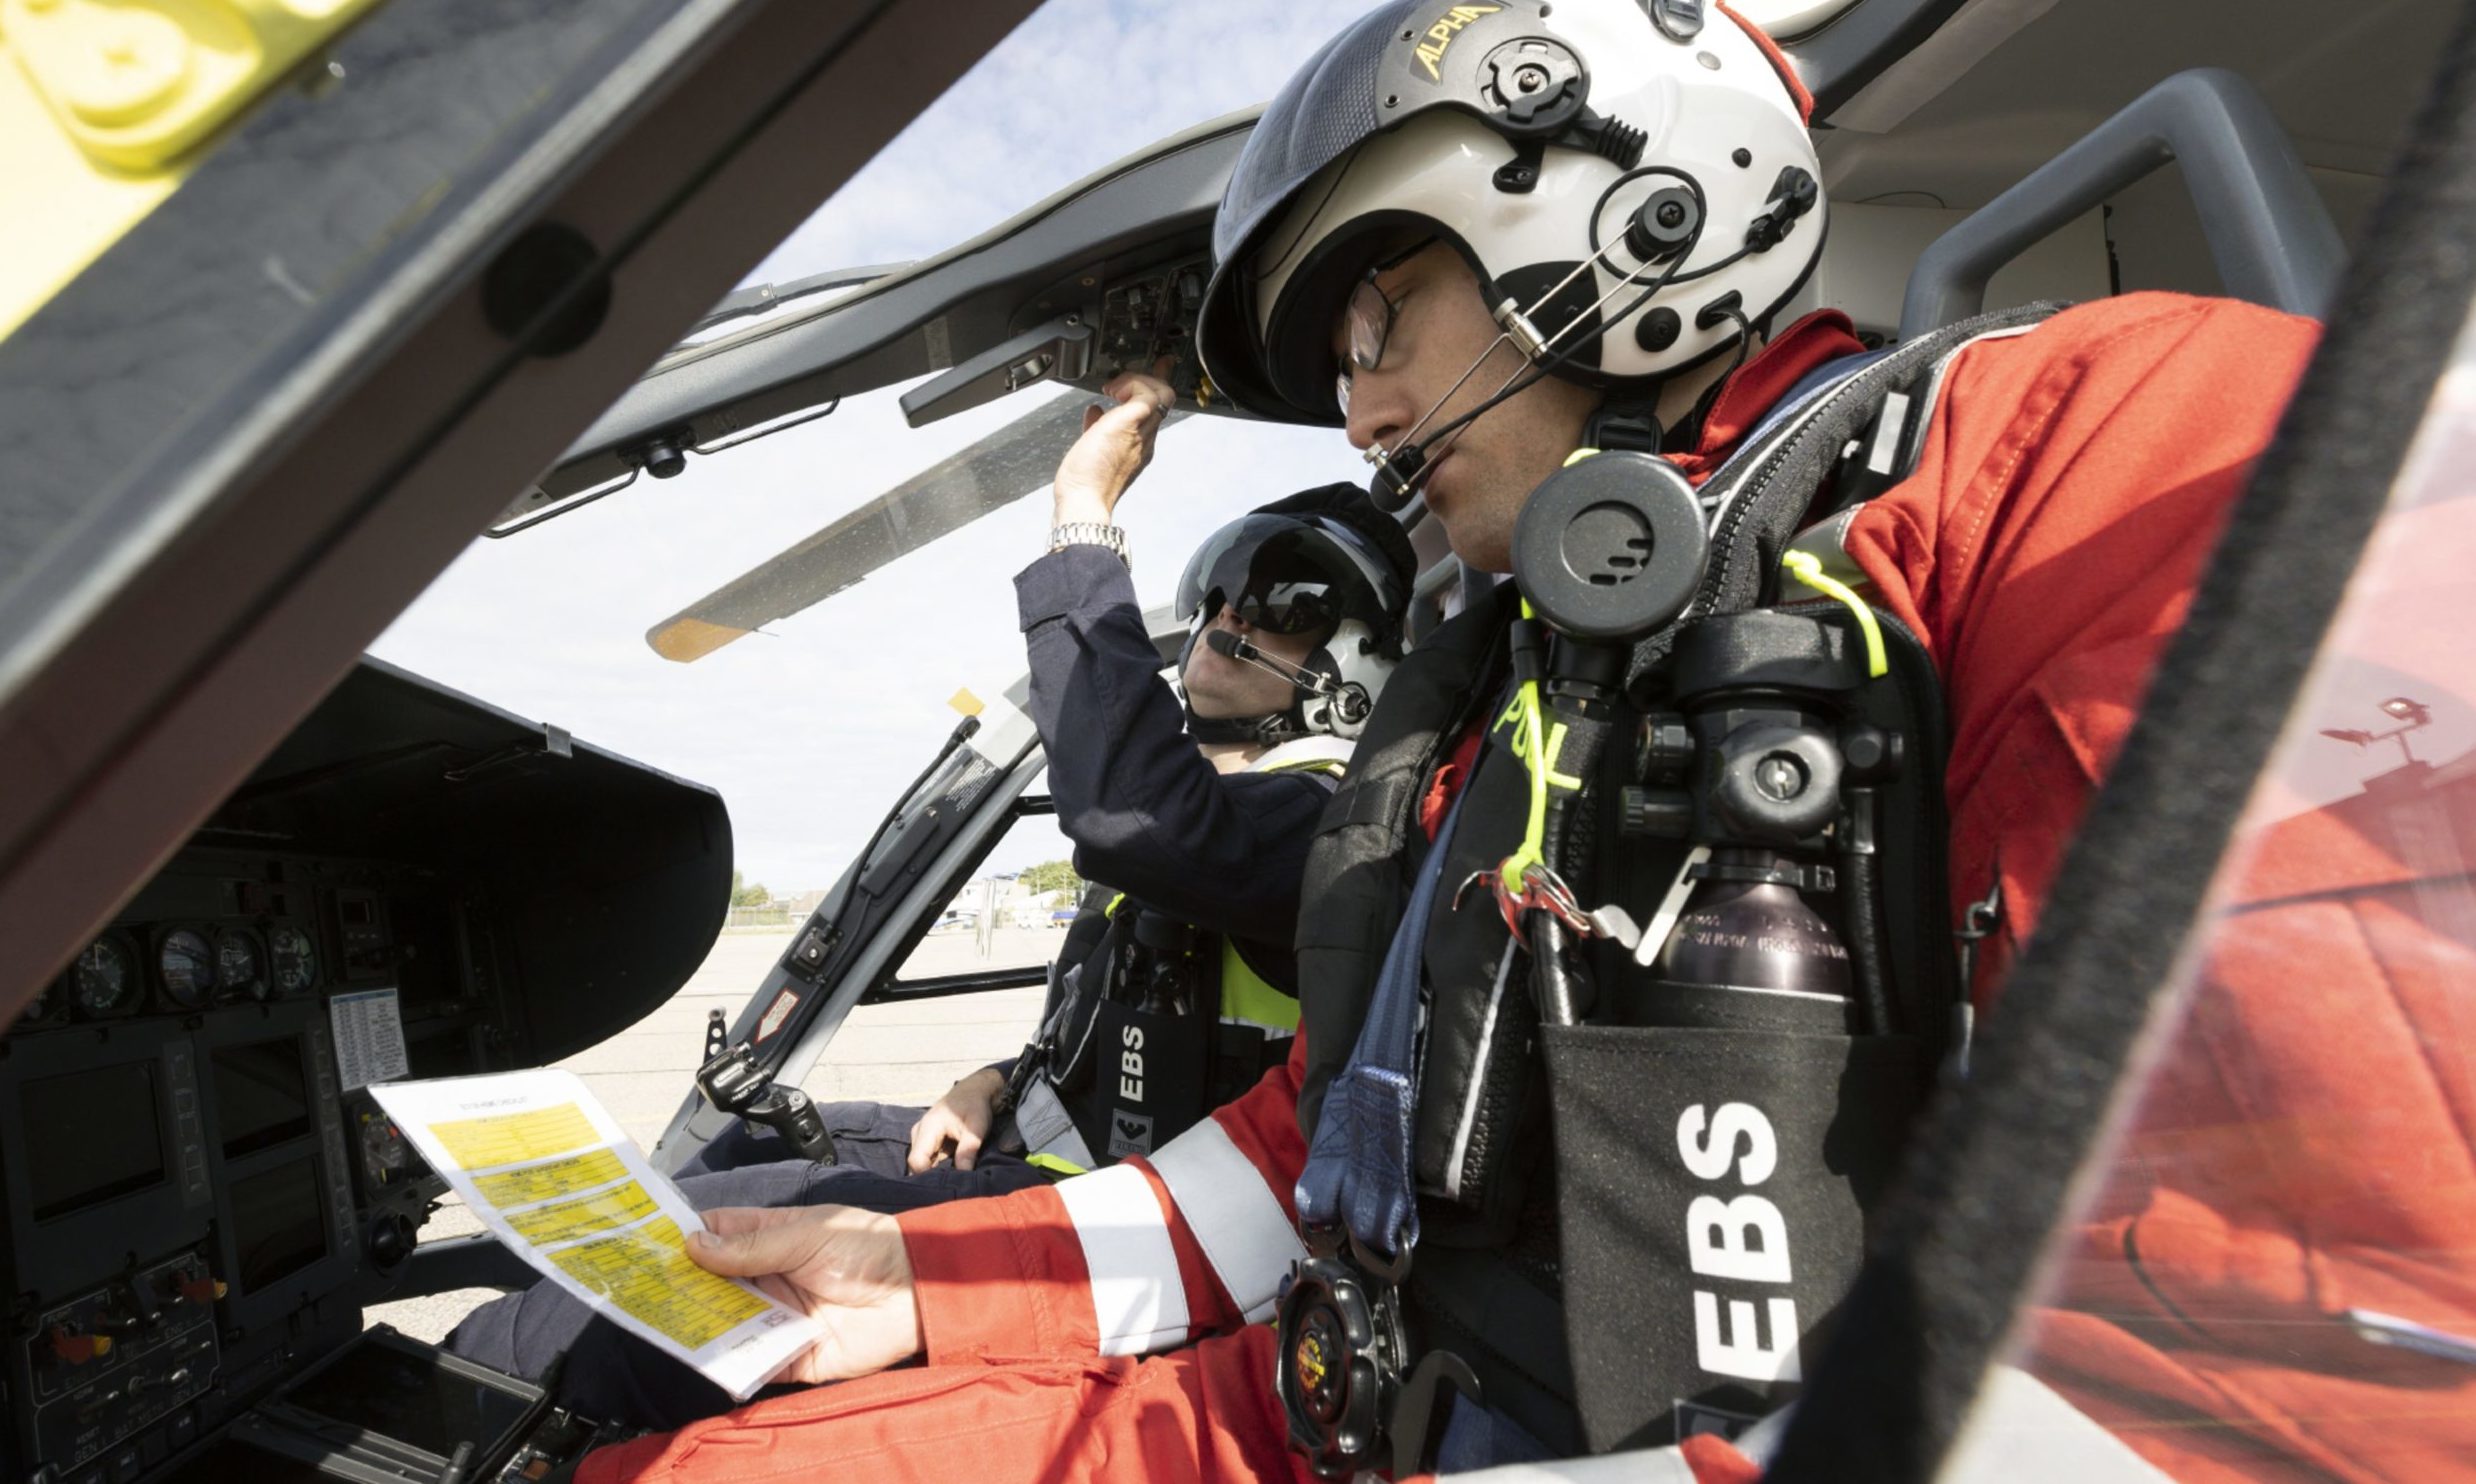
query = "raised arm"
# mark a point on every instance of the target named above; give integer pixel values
(1145, 810)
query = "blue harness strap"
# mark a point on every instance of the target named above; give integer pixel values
(1358, 1174)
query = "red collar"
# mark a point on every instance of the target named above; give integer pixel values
(1821, 337)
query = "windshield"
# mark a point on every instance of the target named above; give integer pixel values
(1118, 75)
(2273, 1271)
(810, 728)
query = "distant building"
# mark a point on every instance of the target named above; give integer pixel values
(1007, 900)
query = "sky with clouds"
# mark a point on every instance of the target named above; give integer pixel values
(810, 728)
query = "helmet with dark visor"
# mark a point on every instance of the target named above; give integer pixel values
(1286, 576)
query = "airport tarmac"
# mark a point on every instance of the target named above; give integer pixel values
(903, 1054)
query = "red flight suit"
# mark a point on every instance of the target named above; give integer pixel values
(2072, 481)
(2306, 1146)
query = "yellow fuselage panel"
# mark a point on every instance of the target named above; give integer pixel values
(106, 104)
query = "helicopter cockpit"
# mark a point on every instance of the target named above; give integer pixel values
(246, 871)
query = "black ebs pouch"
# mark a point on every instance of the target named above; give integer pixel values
(1149, 1079)
(1712, 1189)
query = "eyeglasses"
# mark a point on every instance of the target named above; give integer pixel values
(1369, 319)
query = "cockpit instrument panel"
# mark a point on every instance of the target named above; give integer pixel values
(240, 967)
(294, 960)
(185, 967)
(197, 1197)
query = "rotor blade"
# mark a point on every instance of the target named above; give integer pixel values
(1000, 469)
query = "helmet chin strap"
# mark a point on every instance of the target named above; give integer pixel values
(1249, 731)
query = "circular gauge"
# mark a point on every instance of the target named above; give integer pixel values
(295, 960)
(187, 967)
(104, 979)
(240, 969)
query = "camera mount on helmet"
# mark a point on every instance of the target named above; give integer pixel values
(1536, 84)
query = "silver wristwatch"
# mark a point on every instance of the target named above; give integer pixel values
(1091, 533)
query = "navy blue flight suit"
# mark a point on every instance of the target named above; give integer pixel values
(1223, 851)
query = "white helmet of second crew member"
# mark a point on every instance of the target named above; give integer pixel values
(1630, 182)
(1323, 562)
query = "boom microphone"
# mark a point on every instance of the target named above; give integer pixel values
(1230, 646)
(1396, 481)
(1349, 700)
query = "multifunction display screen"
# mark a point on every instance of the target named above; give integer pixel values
(261, 1095)
(91, 1136)
(415, 1398)
(278, 1223)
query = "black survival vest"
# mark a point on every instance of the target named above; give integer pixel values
(1151, 1024)
(1661, 1198)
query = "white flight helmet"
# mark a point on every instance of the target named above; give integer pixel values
(1631, 182)
(1322, 561)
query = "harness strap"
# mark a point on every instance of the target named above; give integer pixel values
(1358, 1176)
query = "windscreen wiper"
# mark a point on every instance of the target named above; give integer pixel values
(851, 914)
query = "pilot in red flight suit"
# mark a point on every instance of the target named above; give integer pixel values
(2045, 544)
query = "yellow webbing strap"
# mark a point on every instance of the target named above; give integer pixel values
(1053, 1165)
(1808, 569)
(1537, 750)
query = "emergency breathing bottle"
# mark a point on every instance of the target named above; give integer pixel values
(1743, 775)
(1751, 773)
(1739, 942)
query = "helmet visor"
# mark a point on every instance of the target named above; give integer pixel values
(1328, 107)
(1320, 114)
(1280, 575)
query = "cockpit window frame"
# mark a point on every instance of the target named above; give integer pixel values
(258, 426)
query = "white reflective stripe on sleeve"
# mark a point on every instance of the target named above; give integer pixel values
(1242, 1226)
(1136, 1292)
(1651, 1466)
(2021, 1431)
